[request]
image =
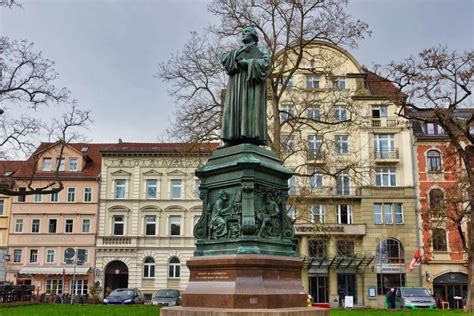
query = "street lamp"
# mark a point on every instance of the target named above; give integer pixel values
(7, 259)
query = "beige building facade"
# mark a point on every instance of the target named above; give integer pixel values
(352, 197)
(44, 226)
(149, 204)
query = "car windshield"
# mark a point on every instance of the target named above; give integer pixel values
(416, 292)
(122, 293)
(167, 294)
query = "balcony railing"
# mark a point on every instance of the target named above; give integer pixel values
(326, 191)
(387, 154)
(384, 122)
(117, 241)
(314, 155)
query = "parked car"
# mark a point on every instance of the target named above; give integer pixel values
(414, 298)
(124, 296)
(167, 297)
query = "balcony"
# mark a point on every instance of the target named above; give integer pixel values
(326, 192)
(315, 157)
(383, 122)
(114, 241)
(387, 155)
(331, 229)
(388, 191)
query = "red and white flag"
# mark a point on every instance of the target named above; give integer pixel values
(415, 262)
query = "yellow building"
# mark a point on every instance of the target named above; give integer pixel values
(7, 169)
(352, 196)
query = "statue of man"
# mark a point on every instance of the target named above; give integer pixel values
(248, 66)
(220, 210)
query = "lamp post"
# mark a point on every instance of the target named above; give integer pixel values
(6, 258)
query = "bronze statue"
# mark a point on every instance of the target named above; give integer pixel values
(248, 67)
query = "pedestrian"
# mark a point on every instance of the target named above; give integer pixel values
(390, 298)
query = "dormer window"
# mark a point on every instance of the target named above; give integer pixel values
(60, 164)
(46, 164)
(72, 164)
(339, 83)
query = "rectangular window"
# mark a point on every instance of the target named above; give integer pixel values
(345, 247)
(288, 144)
(55, 197)
(292, 185)
(388, 213)
(317, 213)
(197, 190)
(342, 144)
(344, 214)
(79, 287)
(384, 145)
(35, 225)
(339, 83)
(151, 189)
(196, 220)
(50, 256)
(38, 198)
(379, 111)
(385, 177)
(21, 197)
(312, 82)
(16, 255)
(313, 113)
(150, 225)
(54, 287)
(71, 194)
(69, 226)
(343, 183)
(33, 255)
(175, 225)
(87, 194)
(176, 188)
(118, 222)
(340, 113)
(72, 164)
(286, 112)
(60, 164)
(2, 203)
(86, 225)
(19, 225)
(317, 247)
(47, 164)
(314, 147)
(315, 177)
(288, 81)
(120, 186)
(433, 129)
(52, 226)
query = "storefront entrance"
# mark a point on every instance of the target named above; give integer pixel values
(452, 288)
(319, 288)
(346, 286)
(116, 275)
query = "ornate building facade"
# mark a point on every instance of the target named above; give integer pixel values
(352, 197)
(441, 182)
(149, 205)
(52, 237)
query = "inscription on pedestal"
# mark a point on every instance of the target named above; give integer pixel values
(211, 276)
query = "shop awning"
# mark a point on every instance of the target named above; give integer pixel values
(53, 270)
(339, 262)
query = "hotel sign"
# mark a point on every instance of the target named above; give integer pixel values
(331, 229)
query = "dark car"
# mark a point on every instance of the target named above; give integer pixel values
(124, 296)
(167, 297)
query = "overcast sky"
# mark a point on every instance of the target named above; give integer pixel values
(107, 51)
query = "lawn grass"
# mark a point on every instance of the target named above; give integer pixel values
(80, 310)
(147, 310)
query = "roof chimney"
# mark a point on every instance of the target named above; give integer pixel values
(120, 141)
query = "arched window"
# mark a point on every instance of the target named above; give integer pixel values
(439, 240)
(174, 268)
(433, 160)
(149, 268)
(390, 265)
(436, 199)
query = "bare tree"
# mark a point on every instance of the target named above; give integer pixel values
(438, 86)
(28, 84)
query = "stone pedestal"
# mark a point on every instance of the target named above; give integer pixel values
(194, 311)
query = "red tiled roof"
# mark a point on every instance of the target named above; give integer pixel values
(160, 148)
(380, 86)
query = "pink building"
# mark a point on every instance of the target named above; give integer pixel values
(42, 227)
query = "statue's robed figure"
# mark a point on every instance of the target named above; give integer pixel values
(245, 119)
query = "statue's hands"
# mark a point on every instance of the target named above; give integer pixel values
(243, 64)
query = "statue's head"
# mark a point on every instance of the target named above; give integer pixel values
(249, 34)
(223, 195)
